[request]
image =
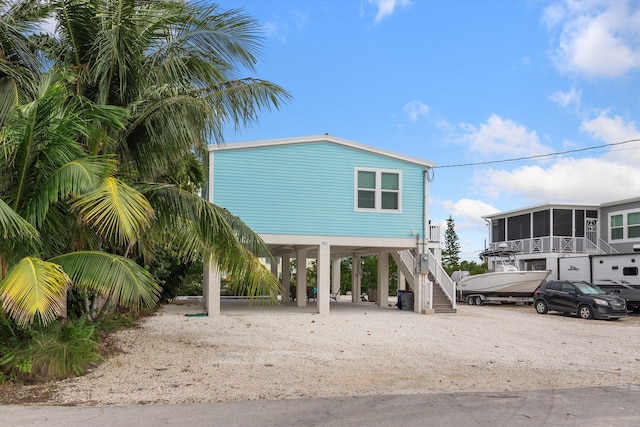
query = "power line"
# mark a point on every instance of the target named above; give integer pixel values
(539, 156)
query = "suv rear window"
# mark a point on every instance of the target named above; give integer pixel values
(555, 286)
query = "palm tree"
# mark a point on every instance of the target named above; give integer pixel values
(44, 175)
(150, 82)
(173, 66)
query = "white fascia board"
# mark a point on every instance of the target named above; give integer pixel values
(621, 202)
(319, 138)
(542, 206)
(297, 239)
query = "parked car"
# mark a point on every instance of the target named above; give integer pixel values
(582, 298)
(624, 290)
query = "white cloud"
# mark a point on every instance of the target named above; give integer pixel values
(387, 7)
(281, 28)
(416, 109)
(469, 225)
(610, 129)
(468, 212)
(275, 30)
(567, 99)
(613, 130)
(596, 38)
(587, 180)
(503, 138)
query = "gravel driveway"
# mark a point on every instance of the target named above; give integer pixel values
(280, 354)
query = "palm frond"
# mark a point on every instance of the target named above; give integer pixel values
(162, 127)
(8, 98)
(34, 287)
(116, 211)
(197, 229)
(205, 45)
(215, 226)
(118, 278)
(78, 176)
(13, 225)
(237, 102)
(253, 279)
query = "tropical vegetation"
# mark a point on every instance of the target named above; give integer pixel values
(104, 127)
(451, 250)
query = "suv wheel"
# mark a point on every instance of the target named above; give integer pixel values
(541, 307)
(585, 312)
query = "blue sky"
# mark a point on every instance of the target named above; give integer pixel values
(457, 82)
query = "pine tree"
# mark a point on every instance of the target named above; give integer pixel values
(451, 252)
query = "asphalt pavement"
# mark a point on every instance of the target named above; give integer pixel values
(598, 406)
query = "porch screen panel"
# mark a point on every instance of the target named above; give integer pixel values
(519, 227)
(497, 230)
(562, 222)
(541, 223)
(579, 222)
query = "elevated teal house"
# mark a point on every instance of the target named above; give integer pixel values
(327, 198)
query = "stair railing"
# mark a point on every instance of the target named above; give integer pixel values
(441, 277)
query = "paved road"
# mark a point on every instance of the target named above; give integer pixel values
(601, 406)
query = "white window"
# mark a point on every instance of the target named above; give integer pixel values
(616, 227)
(378, 190)
(624, 225)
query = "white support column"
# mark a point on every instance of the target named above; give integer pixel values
(301, 276)
(212, 276)
(205, 285)
(383, 279)
(418, 291)
(335, 276)
(323, 279)
(286, 277)
(212, 298)
(355, 279)
(423, 297)
(275, 265)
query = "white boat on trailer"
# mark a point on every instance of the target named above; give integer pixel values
(506, 283)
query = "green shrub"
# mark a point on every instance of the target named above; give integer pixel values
(59, 351)
(13, 340)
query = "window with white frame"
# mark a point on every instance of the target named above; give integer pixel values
(624, 225)
(378, 190)
(633, 225)
(616, 227)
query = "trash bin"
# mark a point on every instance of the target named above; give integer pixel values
(399, 304)
(407, 301)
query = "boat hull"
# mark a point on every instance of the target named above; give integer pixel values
(503, 284)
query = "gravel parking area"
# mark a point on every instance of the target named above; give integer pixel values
(284, 354)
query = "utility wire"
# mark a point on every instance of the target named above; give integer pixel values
(539, 156)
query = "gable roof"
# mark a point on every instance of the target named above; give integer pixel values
(316, 139)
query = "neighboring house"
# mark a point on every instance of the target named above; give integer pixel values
(327, 198)
(575, 241)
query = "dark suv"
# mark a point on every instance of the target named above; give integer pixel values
(582, 298)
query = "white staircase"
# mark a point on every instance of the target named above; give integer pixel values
(442, 298)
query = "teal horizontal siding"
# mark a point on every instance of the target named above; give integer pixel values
(309, 189)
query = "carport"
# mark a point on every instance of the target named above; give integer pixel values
(327, 251)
